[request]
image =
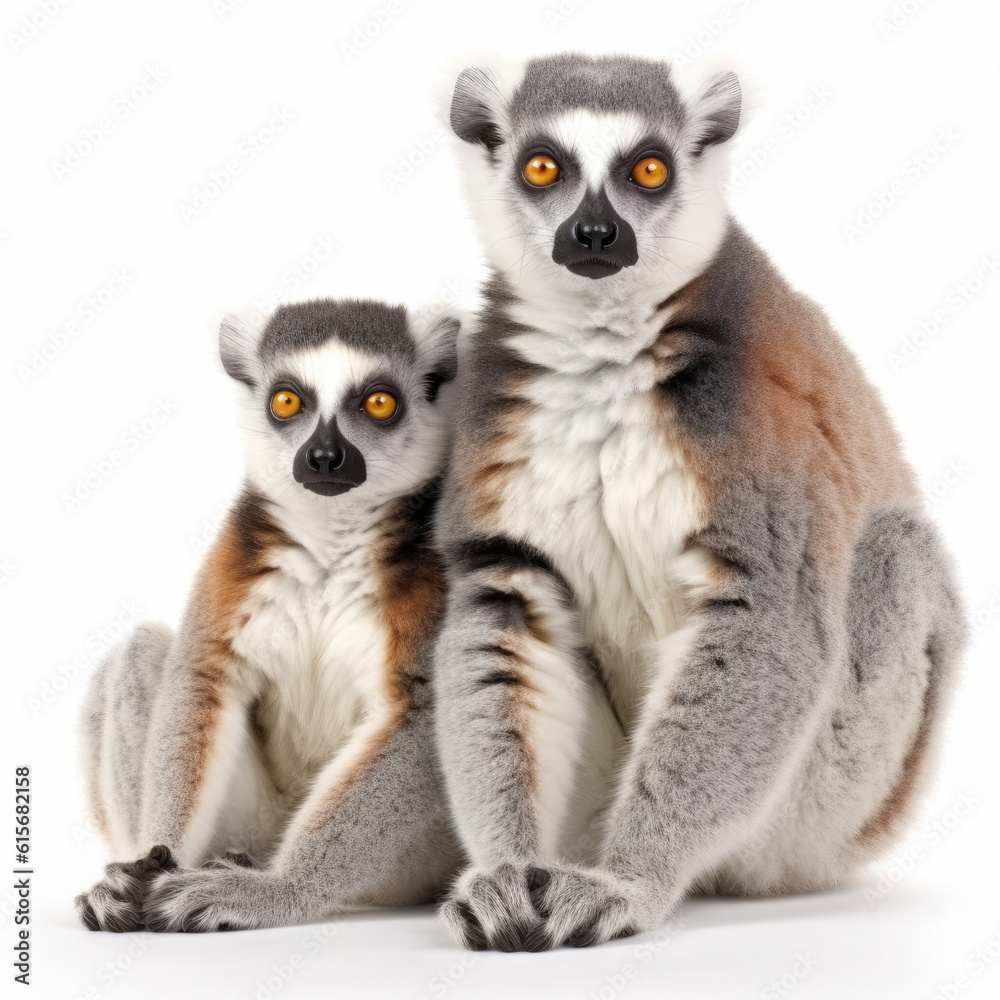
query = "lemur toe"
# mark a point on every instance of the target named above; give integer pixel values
(470, 930)
(116, 902)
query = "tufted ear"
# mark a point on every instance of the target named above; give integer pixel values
(715, 110)
(238, 349)
(477, 107)
(437, 353)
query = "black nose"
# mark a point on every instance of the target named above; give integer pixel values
(595, 234)
(325, 459)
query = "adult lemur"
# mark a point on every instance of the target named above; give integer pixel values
(289, 716)
(699, 633)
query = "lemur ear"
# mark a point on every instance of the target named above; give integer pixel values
(237, 349)
(476, 107)
(716, 109)
(437, 353)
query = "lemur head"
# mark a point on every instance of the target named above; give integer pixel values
(342, 397)
(594, 169)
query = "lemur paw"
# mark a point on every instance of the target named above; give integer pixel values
(213, 897)
(491, 908)
(583, 907)
(115, 903)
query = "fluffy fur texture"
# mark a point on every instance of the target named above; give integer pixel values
(288, 720)
(697, 619)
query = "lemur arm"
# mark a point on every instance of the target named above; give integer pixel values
(719, 735)
(198, 738)
(519, 710)
(373, 830)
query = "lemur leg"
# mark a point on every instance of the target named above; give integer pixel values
(524, 728)
(169, 752)
(116, 719)
(115, 726)
(374, 830)
(876, 747)
(718, 753)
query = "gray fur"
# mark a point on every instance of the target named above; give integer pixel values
(367, 324)
(602, 83)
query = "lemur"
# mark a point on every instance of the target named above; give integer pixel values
(699, 633)
(272, 762)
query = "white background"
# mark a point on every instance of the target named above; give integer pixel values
(71, 574)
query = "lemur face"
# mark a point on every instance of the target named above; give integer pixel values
(342, 397)
(595, 165)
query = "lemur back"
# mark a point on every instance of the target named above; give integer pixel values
(287, 722)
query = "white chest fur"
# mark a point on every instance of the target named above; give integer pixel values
(607, 498)
(316, 652)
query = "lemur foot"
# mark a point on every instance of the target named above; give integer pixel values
(535, 909)
(222, 895)
(115, 903)
(491, 908)
(583, 907)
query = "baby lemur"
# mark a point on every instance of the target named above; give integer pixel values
(274, 756)
(700, 633)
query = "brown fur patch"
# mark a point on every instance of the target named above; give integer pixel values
(486, 472)
(239, 558)
(809, 416)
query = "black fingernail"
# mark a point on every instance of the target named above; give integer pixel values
(537, 939)
(538, 878)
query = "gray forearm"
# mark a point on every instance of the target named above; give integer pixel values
(712, 749)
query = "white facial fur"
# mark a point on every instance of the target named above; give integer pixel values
(677, 234)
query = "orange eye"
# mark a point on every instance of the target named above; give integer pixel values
(285, 404)
(380, 405)
(650, 172)
(541, 171)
